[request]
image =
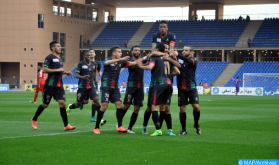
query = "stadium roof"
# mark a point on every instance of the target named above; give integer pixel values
(175, 3)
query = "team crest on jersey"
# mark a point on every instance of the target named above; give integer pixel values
(167, 40)
(55, 60)
(84, 67)
(119, 65)
(159, 40)
(180, 61)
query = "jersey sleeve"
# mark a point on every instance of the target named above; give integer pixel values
(41, 73)
(78, 68)
(154, 39)
(99, 67)
(47, 62)
(125, 64)
(153, 60)
(172, 38)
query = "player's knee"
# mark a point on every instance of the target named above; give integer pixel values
(62, 105)
(85, 101)
(136, 109)
(126, 107)
(44, 105)
(167, 110)
(182, 109)
(96, 101)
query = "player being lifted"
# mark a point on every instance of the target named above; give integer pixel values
(109, 86)
(134, 89)
(161, 84)
(53, 87)
(40, 83)
(186, 85)
(163, 36)
(86, 87)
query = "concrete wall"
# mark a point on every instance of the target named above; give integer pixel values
(22, 41)
(219, 9)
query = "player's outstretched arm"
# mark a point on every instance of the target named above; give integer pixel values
(175, 72)
(147, 67)
(108, 62)
(172, 61)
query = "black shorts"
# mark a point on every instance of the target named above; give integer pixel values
(184, 95)
(85, 94)
(136, 94)
(160, 94)
(58, 93)
(110, 94)
(150, 94)
(169, 98)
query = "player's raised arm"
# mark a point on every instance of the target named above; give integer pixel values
(146, 67)
(167, 58)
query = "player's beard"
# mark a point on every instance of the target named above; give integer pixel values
(57, 52)
(136, 55)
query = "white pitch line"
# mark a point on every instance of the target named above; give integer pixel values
(53, 134)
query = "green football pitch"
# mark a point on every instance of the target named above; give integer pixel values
(242, 127)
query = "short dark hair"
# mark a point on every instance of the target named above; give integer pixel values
(91, 49)
(164, 21)
(160, 47)
(52, 44)
(191, 47)
(40, 64)
(85, 53)
(165, 43)
(135, 46)
(113, 49)
(237, 77)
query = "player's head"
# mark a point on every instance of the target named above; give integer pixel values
(237, 78)
(135, 51)
(160, 47)
(87, 56)
(55, 47)
(40, 66)
(93, 54)
(166, 47)
(116, 52)
(163, 27)
(188, 51)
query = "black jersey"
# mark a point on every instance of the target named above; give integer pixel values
(135, 78)
(169, 38)
(97, 64)
(187, 78)
(86, 69)
(54, 79)
(111, 73)
(160, 72)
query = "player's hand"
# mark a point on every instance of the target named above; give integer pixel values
(174, 52)
(60, 70)
(86, 77)
(166, 57)
(174, 57)
(69, 73)
(126, 58)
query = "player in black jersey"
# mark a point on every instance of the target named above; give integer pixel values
(86, 87)
(160, 82)
(109, 86)
(163, 36)
(53, 87)
(186, 85)
(98, 69)
(134, 89)
(164, 109)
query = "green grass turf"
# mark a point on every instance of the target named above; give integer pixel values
(242, 127)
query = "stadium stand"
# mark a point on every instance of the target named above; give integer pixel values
(72, 80)
(257, 67)
(268, 33)
(209, 33)
(115, 33)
